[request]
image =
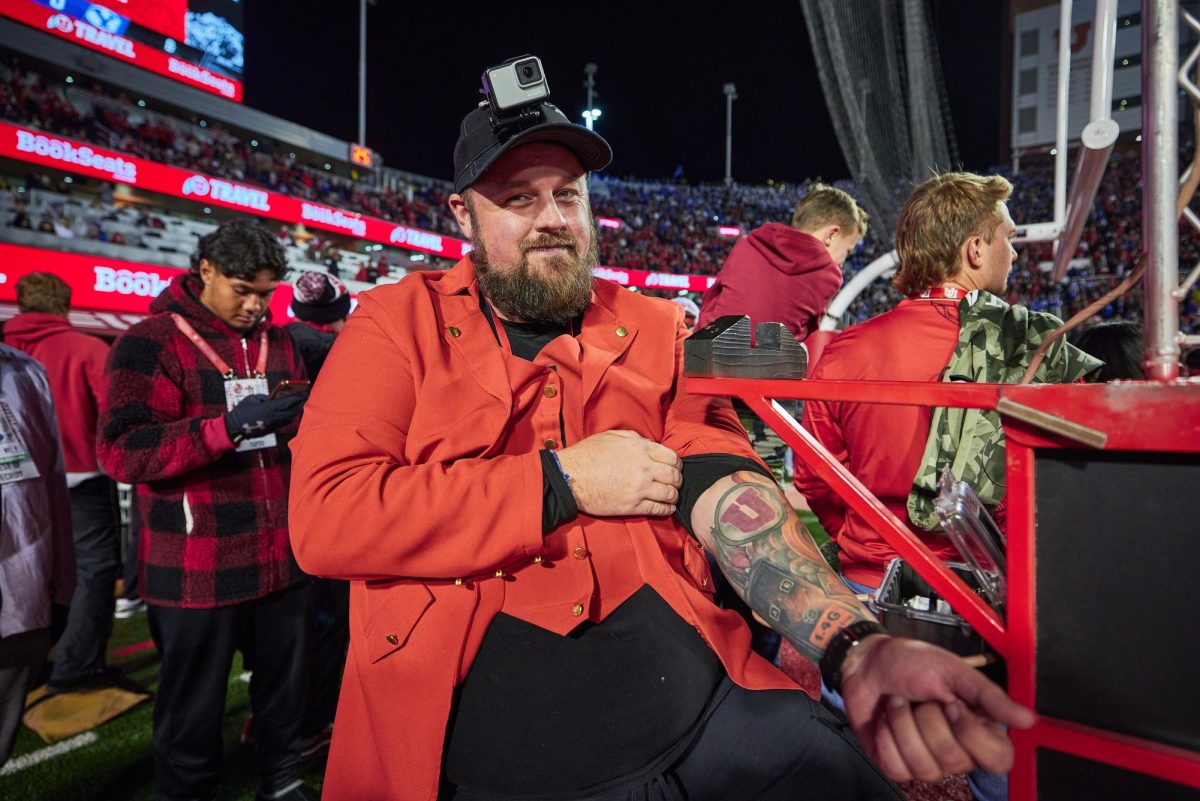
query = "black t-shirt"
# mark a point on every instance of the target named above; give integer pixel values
(541, 714)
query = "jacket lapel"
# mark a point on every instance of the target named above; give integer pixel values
(469, 334)
(603, 339)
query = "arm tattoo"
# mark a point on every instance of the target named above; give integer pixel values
(772, 562)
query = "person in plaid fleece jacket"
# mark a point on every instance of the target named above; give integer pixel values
(215, 565)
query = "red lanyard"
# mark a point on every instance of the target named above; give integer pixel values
(260, 369)
(939, 292)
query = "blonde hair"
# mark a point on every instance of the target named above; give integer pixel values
(937, 218)
(827, 205)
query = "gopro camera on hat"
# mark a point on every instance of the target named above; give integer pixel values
(517, 82)
(517, 111)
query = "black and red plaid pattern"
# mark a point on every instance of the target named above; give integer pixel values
(213, 525)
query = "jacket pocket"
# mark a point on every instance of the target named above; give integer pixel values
(393, 613)
(695, 562)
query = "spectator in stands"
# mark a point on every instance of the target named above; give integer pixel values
(954, 241)
(381, 266)
(187, 418)
(368, 273)
(1118, 344)
(37, 566)
(507, 477)
(74, 363)
(789, 273)
(46, 225)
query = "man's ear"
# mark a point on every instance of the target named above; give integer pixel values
(206, 271)
(830, 233)
(458, 207)
(973, 251)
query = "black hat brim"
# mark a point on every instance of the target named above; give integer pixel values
(593, 152)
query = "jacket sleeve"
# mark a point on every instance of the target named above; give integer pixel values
(42, 419)
(143, 435)
(359, 509)
(821, 421)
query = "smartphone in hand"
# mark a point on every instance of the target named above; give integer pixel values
(289, 387)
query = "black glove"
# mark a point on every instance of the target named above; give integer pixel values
(258, 415)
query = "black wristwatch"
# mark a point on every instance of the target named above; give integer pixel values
(835, 654)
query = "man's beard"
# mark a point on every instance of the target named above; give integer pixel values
(557, 292)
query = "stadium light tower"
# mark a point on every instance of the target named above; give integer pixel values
(363, 72)
(730, 96)
(591, 113)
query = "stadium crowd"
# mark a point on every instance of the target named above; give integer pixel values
(664, 226)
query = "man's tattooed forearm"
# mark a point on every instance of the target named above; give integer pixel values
(773, 563)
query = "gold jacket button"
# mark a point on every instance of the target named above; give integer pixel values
(622, 331)
(550, 444)
(499, 574)
(458, 582)
(580, 553)
(392, 639)
(550, 392)
(577, 609)
(453, 331)
(537, 560)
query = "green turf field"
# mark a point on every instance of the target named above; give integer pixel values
(118, 766)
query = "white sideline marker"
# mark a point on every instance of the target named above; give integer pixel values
(49, 752)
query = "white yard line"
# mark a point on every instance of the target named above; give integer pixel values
(49, 752)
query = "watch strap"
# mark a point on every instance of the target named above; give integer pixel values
(839, 648)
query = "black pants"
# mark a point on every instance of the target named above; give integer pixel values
(21, 656)
(197, 647)
(79, 653)
(756, 745)
(328, 639)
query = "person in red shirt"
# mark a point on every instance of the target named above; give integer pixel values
(954, 235)
(74, 364)
(789, 273)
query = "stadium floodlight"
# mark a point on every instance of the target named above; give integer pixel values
(730, 95)
(591, 113)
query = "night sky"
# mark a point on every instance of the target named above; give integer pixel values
(661, 69)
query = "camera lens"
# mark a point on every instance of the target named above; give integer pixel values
(528, 72)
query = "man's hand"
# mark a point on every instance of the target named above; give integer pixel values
(257, 415)
(922, 713)
(622, 473)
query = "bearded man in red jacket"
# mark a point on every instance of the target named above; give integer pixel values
(504, 461)
(74, 364)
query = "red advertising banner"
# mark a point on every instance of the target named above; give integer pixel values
(168, 17)
(32, 146)
(103, 284)
(120, 47)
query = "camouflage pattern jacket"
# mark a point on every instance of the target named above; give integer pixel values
(996, 342)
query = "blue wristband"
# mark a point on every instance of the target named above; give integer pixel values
(565, 476)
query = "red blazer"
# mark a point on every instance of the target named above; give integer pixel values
(417, 476)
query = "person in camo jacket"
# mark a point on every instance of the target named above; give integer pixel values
(189, 420)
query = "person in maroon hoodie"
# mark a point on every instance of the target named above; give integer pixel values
(74, 364)
(788, 273)
(188, 417)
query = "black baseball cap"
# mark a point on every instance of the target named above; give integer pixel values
(480, 144)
